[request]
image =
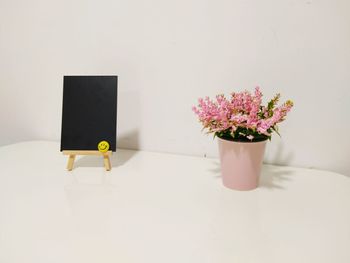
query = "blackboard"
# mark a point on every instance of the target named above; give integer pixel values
(89, 112)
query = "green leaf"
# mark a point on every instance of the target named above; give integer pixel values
(275, 128)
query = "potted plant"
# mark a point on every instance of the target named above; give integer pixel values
(242, 125)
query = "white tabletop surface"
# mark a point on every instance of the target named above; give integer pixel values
(166, 208)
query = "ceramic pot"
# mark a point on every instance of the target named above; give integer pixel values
(241, 163)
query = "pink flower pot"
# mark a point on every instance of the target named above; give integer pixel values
(241, 163)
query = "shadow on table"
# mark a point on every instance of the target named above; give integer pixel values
(272, 176)
(119, 158)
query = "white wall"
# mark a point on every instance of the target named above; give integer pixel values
(169, 53)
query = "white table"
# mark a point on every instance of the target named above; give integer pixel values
(165, 208)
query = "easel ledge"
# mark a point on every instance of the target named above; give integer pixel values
(73, 153)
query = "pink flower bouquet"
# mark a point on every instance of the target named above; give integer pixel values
(242, 117)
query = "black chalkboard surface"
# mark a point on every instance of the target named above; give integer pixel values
(89, 113)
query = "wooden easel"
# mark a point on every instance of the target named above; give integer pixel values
(72, 154)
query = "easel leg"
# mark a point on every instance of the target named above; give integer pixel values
(71, 159)
(107, 162)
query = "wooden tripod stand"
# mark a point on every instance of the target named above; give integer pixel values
(72, 154)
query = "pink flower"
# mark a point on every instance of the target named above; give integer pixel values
(263, 126)
(242, 110)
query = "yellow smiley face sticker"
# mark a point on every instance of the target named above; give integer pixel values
(103, 146)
